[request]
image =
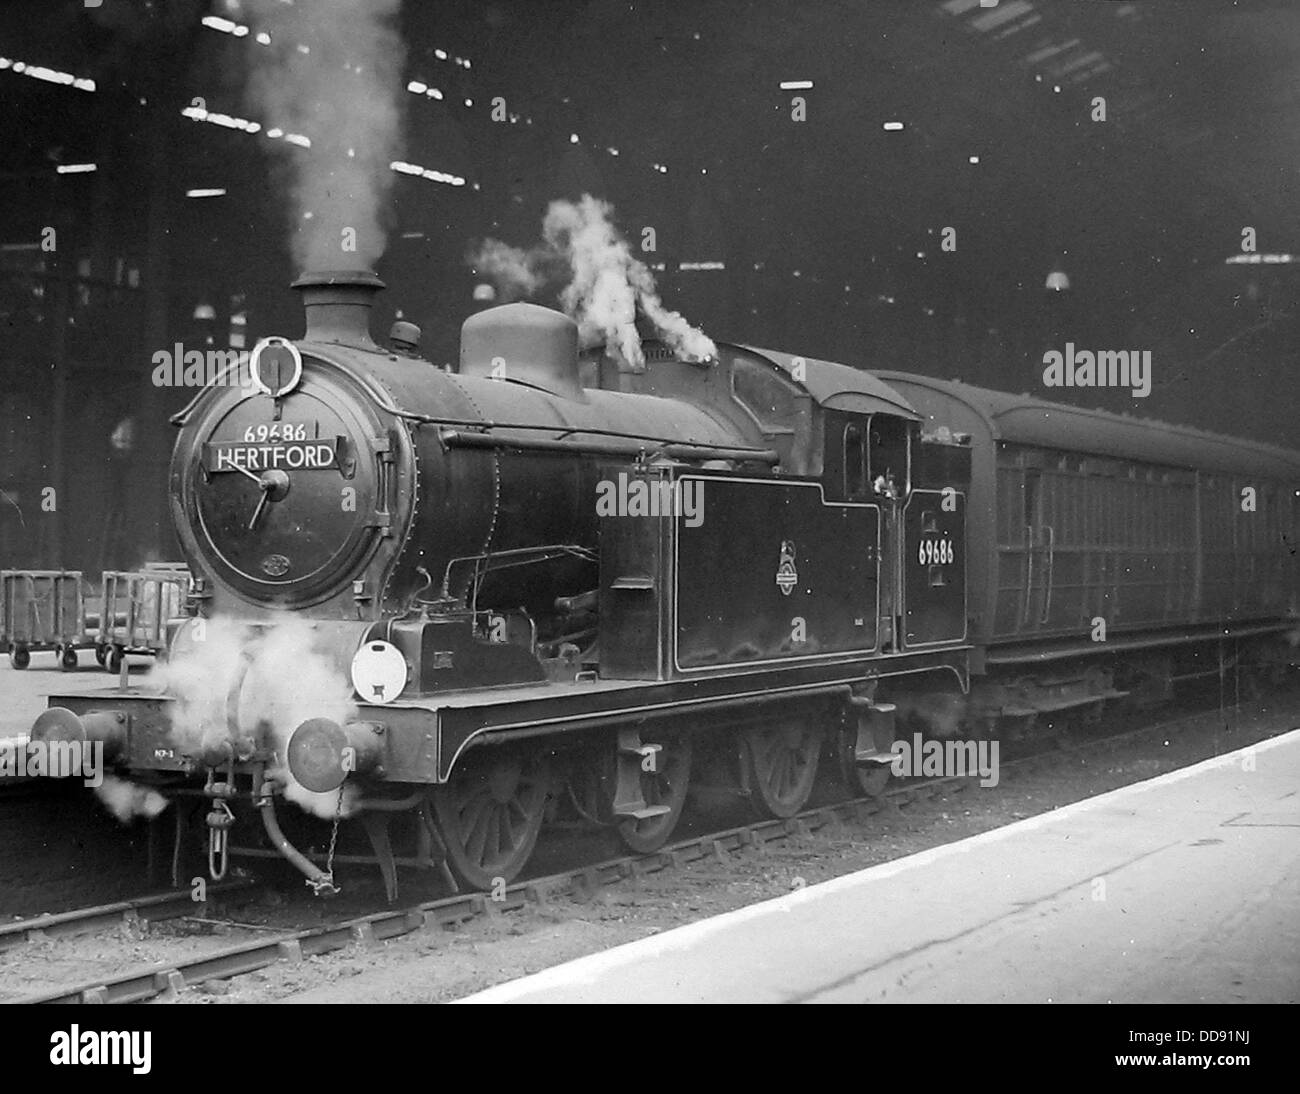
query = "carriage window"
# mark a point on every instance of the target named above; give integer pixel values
(855, 462)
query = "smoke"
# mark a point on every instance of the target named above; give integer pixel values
(288, 682)
(127, 800)
(276, 677)
(512, 270)
(940, 713)
(605, 284)
(333, 74)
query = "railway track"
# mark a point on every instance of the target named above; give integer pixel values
(155, 908)
(165, 980)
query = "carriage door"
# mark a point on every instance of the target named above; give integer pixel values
(1039, 544)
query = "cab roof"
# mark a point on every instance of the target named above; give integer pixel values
(838, 387)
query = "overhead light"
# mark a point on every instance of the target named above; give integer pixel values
(417, 88)
(205, 193)
(796, 85)
(573, 138)
(1057, 280)
(1258, 259)
(973, 159)
(404, 168)
(215, 22)
(76, 168)
(892, 127)
(49, 75)
(702, 265)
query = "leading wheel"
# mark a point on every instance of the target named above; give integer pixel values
(20, 656)
(101, 654)
(490, 812)
(869, 779)
(68, 659)
(665, 786)
(780, 765)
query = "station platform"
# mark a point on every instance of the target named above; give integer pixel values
(1184, 888)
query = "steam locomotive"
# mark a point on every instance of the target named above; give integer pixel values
(551, 581)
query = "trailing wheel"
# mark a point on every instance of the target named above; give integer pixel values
(667, 785)
(779, 763)
(20, 656)
(101, 655)
(68, 659)
(490, 812)
(116, 655)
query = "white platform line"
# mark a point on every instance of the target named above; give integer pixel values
(584, 970)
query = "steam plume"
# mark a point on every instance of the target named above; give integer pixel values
(332, 73)
(605, 283)
(127, 800)
(279, 680)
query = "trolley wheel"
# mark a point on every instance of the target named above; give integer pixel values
(870, 779)
(101, 655)
(20, 656)
(68, 659)
(490, 813)
(779, 760)
(115, 657)
(666, 786)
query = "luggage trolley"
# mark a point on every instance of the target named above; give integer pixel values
(43, 610)
(136, 607)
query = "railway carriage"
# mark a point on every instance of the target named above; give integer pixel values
(1112, 555)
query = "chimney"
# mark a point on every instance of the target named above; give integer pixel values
(338, 303)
